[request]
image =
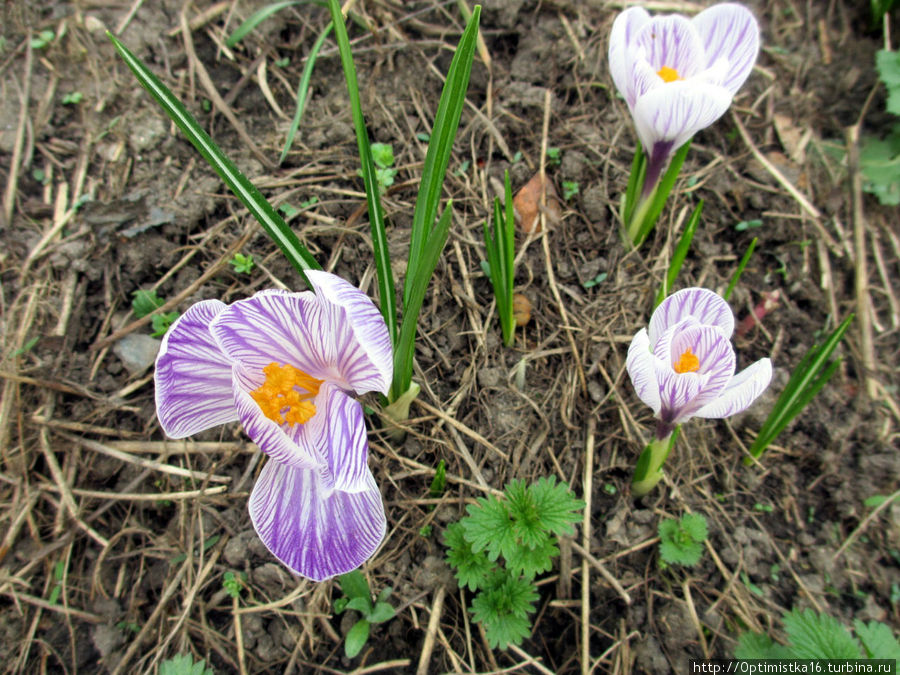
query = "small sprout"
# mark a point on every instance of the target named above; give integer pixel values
(242, 264)
(521, 309)
(753, 588)
(183, 664)
(610, 489)
(424, 137)
(517, 157)
(463, 168)
(44, 38)
(312, 201)
(128, 627)
(27, 346)
(681, 541)
(745, 225)
(763, 508)
(358, 598)
(73, 99)
(161, 322)
(439, 482)
(599, 279)
(553, 156)
(40, 176)
(206, 105)
(383, 156)
(570, 189)
(233, 583)
(425, 531)
(287, 210)
(282, 62)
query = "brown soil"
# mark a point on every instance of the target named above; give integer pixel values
(105, 567)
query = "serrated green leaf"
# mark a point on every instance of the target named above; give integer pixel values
(503, 610)
(383, 155)
(557, 508)
(879, 162)
(145, 302)
(677, 546)
(488, 527)
(381, 613)
(695, 526)
(529, 562)
(758, 646)
(878, 640)
(526, 521)
(472, 569)
(818, 636)
(356, 638)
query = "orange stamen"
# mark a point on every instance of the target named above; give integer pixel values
(688, 363)
(280, 392)
(668, 74)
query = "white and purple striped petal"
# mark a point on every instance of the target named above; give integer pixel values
(673, 113)
(276, 326)
(192, 376)
(316, 532)
(740, 392)
(347, 450)
(621, 39)
(642, 370)
(700, 303)
(670, 42)
(716, 367)
(729, 33)
(359, 337)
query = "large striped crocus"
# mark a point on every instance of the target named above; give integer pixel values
(678, 75)
(684, 367)
(287, 365)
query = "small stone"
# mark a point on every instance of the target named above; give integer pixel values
(137, 352)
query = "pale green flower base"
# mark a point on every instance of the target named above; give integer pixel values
(399, 409)
(648, 471)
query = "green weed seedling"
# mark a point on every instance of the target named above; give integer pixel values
(383, 156)
(811, 635)
(233, 583)
(522, 529)
(73, 99)
(879, 158)
(183, 664)
(499, 243)
(147, 302)
(44, 38)
(358, 597)
(681, 541)
(570, 189)
(242, 264)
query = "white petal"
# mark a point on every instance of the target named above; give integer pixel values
(740, 392)
(363, 354)
(317, 532)
(671, 42)
(729, 32)
(193, 376)
(673, 113)
(641, 370)
(621, 41)
(701, 303)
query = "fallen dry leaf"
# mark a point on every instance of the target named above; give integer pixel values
(527, 202)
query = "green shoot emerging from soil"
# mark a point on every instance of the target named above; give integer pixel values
(499, 242)
(681, 250)
(242, 264)
(358, 597)
(681, 541)
(814, 370)
(811, 635)
(521, 529)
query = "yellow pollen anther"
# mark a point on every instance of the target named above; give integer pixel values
(280, 391)
(668, 74)
(688, 363)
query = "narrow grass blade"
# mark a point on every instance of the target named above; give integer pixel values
(684, 244)
(243, 189)
(740, 269)
(810, 375)
(373, 198)
(661, 194)
(261, 15)
(403, 354)
(509, 257)
(440, 146)
(303, 90)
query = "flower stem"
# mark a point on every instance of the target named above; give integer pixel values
(648, 471)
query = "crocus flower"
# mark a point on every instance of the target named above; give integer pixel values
(684, 365)
(286, 365)
(679, 75)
